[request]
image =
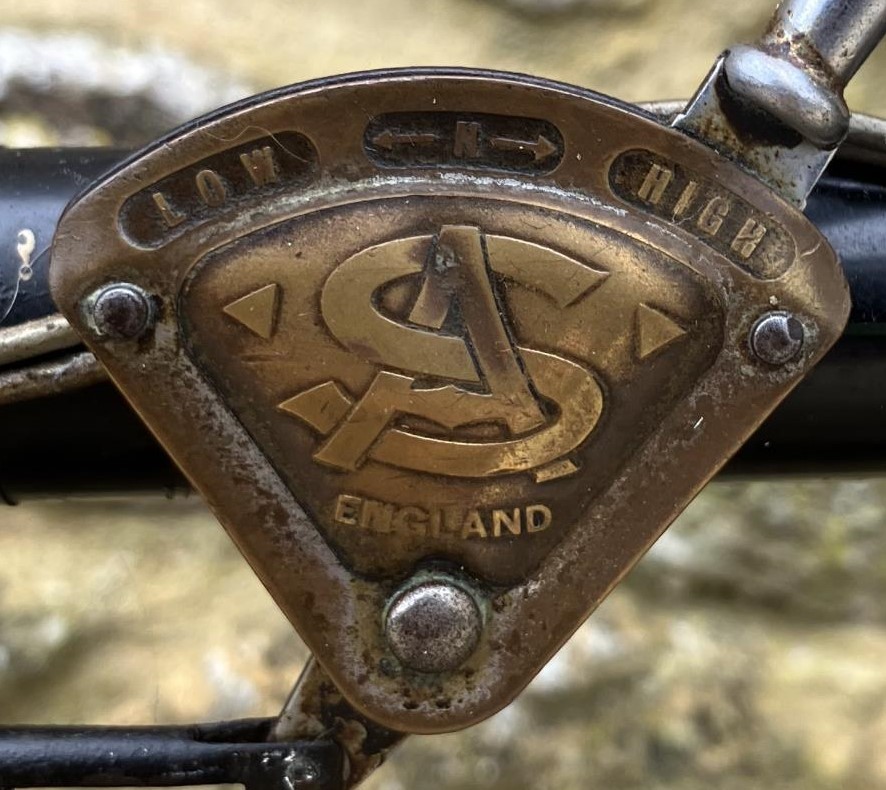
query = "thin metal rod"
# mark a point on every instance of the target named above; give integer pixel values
(35, 338)
(315, 708)
(43, 379)
(777, 106)
(234, 752)
(841, 32)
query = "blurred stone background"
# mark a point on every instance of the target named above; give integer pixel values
(746, 651)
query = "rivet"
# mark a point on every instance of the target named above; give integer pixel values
(122, 311)
(433, 626)
(777, 337)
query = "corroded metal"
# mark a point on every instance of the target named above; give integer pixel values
(777, 107)
(777, 337)
(71, 371)
(433, 625)
(39, 358)
(316, 710)
(121, 310)
(33, 339)
(448, 322)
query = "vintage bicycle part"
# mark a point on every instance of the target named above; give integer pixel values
(70, 432)
(437, 346)
(171, 756)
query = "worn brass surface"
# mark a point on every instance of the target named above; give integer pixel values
(430, 389)
(445, 320)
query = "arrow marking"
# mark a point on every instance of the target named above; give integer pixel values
(388, 139)
(257, 311)
(540, 149)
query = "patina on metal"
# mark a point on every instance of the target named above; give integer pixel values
(777, 107)
(45, 377)
(437, 346)
(777, 337)
(317, 710)
(25, 342)
(121, 310)
(433, 624)
(44, 357)
(444, 322)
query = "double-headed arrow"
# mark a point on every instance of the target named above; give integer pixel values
(540, 148)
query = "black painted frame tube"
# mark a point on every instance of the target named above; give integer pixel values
(89, 442)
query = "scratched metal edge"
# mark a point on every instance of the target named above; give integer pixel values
(349, 79)
(64, 280)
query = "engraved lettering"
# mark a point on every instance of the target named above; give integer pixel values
(538, 518)
(347, 509)
(435, 522)
(654, 185)
(261, 165)
(384, 518)
(748, 238)
(196, 193)
(467, 140)
(463, 140)
(410, 519)
(728, 223)
(211, 188)
(364, 426)
(171, 217)
(376, 515)
(685, 199)
(510, 521)
(473, 525)
(452, 520)
(711, 218)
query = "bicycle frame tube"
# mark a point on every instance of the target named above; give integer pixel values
(81, 437)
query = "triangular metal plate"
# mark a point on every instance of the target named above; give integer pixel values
(428, 318)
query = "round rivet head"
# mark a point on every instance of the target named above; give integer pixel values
(301, 772)
(777, 337)
(433, 626)
(122, 311)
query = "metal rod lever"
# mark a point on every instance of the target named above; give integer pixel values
(842, 34)
(777, 106)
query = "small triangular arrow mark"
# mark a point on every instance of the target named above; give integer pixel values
(544, 148)
(257, 311)
(384, 139)
(655, 331)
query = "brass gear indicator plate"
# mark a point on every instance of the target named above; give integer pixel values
(425, 324)
(439, 389)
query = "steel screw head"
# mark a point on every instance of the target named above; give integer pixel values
(777, 337)
(433, 626)
(300, 772)
(122, 311)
